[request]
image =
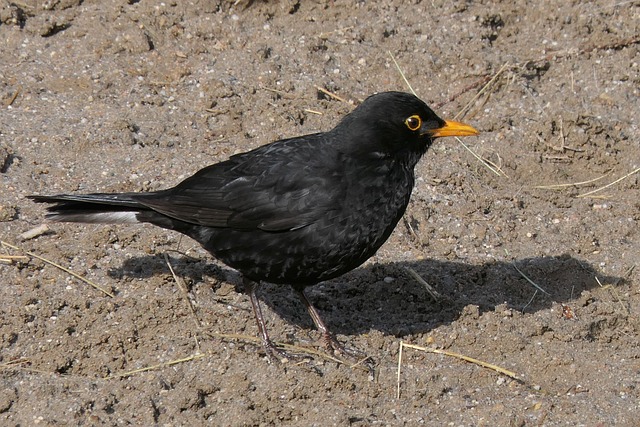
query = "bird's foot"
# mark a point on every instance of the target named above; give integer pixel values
(336, 348)
(329, 341)
(275, 353)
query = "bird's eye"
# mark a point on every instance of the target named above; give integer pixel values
(413, 122)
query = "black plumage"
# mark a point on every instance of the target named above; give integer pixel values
(297, 211)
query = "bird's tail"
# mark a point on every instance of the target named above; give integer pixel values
(99, 208)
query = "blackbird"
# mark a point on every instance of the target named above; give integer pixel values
(297, 211)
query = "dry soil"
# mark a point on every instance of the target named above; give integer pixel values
(135, 95)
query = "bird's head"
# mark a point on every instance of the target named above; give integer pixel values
(397, 125)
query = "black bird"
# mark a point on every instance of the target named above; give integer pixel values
(297, 211)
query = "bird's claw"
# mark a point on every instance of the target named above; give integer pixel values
(357, 356)
(277, 354)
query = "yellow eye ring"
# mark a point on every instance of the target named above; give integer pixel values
(413, 122)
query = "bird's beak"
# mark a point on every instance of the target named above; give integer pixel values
(452, 128)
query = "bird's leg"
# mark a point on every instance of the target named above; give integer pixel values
(328, 339)
(270, 348)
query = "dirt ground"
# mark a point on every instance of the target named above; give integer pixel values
(132, 95)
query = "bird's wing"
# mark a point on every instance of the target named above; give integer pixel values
(279, 187)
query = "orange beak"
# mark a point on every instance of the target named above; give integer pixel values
(452, 128)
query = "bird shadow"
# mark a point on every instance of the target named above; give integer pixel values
(385, 297)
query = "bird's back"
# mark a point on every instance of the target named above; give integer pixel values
(295, 214)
